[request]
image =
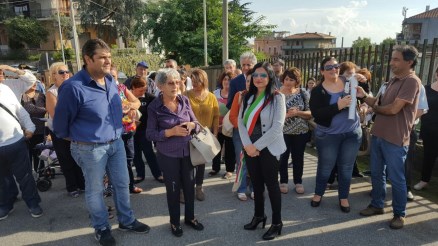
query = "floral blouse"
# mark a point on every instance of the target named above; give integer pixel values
(296, 125)
(128, 123)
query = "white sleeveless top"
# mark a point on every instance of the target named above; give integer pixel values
(54, 91)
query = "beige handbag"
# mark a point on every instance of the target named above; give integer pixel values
(203, 147)
(227, 127)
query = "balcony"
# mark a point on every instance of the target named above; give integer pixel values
(34, 13)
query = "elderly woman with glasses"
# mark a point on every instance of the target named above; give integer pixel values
(74, 179)
(170, 123)
(337, 137)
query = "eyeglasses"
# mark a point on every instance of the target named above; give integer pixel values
(176, 83)
(261, 75)
(330, 67)
(61, 72)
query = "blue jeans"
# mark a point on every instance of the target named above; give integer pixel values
(95, 160)
(237, 149)
(388, 159)
(15, 162)
(336, 149)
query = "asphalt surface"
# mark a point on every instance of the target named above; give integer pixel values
(65, 220)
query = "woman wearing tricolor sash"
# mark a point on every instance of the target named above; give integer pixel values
(261, 119)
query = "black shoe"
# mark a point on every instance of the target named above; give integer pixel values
(104, 237)
(138, 180)
(255, 222)
(273, 231)
(315, 203)
(194, 224)
(135, 226)
(176, 230)
(344, 209)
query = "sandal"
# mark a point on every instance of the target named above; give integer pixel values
(136, 190)
(299, 189)
(242, 196)
(227, 175)
(213, 173)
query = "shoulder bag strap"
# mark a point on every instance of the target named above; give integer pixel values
(7, 110)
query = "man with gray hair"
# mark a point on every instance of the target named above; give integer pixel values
(278, 67)
(395, 111)
(230, 65)
(247, 62)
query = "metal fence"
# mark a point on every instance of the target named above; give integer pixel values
(374, 58)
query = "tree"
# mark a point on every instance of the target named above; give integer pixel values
(25, 31)
(175, 28)
(388, 41)
(121, 14)
(361, 42)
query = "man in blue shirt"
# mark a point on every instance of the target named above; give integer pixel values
(89, 113)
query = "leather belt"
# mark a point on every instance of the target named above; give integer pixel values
(91, 143)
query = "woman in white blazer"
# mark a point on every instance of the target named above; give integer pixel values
(261, 119)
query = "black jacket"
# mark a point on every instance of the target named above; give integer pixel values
(320, 107)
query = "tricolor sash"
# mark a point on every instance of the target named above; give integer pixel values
(252, 114)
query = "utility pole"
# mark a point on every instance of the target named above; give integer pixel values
(205, 34)
(75, 35)
(225, 30)
(60, 32)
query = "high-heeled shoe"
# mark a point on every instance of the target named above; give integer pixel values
(315, 203)
(255, 222)
(344, 209)
(273, 231)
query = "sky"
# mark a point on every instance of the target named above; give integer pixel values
(375, 19)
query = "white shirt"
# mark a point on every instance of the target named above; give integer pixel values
(22, 84)
(10, 130)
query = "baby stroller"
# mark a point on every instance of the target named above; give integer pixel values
(46, 166)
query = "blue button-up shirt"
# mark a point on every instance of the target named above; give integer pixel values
(87, 112)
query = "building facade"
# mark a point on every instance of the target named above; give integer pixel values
(420, 27)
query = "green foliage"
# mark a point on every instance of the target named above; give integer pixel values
(122, 14)
(25, 31)
(35, 57)
(388, 41)
(126, 60)
(261, 56)
(69, 54)
(361, 42)
(176, 28)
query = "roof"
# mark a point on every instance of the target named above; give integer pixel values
(310, 35)
(433, 13)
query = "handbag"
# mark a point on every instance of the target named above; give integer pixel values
(227, 127)
(203, 147)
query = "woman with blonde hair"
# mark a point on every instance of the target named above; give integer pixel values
(74, 178)
(206, 110)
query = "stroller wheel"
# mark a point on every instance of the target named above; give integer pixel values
(44, 185)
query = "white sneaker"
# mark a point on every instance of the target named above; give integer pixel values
(420, 185)
(410, 196)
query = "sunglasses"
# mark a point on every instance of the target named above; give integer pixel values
(261, 75)
(61, 72)
(330, 67)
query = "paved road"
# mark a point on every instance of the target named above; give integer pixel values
(65, 220)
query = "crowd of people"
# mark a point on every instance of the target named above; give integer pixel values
(102, 128)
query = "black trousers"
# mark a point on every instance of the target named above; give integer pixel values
(230, 157)
(74, 178)
(33, 154)
(263, 169)
(429, 134)
(177, 174)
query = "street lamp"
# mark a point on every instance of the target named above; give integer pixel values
(75, 36)
(60, 32)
